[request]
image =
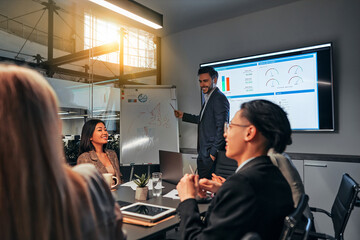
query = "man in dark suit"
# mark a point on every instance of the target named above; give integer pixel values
(257, 197)
(214, 113)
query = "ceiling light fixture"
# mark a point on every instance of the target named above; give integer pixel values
(134, 11)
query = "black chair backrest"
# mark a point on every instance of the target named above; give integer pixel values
(224, 166)
(343, 205)
(294, 223)
(251, 236)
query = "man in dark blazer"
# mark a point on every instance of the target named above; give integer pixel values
(214, 113)
(257, 197)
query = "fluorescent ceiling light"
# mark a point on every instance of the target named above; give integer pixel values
(63, 113)
(126, 13)
(74, 117)
(103, 110)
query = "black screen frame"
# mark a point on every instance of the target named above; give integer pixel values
(325, 81)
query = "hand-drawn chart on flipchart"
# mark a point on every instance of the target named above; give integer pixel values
(147, 123)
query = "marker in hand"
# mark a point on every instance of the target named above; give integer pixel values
(172, 106)
(178, 114)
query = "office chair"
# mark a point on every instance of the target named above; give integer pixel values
(251, 236)
(345, 200)
(224, 166)
(294, 225)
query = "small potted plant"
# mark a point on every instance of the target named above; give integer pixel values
(141, 190)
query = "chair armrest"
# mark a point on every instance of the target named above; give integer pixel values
(357, 202)
(313, 209)
(320, 236)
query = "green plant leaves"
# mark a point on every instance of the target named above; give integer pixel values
(141, 181)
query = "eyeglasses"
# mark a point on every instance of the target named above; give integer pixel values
(227, 126)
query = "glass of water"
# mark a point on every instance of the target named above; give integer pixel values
(156, 184)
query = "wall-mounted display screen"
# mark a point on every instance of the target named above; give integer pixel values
(300, 80)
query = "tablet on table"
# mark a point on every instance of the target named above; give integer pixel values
(147, 212)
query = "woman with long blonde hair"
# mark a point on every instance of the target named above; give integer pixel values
(40, 197)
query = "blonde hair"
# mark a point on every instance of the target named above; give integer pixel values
(37, 199)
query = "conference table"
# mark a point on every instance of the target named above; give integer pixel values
(127, 194)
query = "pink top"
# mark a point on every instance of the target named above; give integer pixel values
(110, 169)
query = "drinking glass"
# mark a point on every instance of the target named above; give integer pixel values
(156, 184)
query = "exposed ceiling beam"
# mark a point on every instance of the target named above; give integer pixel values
(97, 78)
(135, 75)
(84, 54)
(18, 62)
(100, 78)
(75, 73)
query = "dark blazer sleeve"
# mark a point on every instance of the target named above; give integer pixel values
(229, 212)
(190, 224)
(191, 118)
(221, 115)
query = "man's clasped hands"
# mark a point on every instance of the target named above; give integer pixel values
(190, 186)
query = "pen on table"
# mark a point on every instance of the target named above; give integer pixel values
(172, 106)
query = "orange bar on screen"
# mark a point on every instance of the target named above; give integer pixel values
(227, 84)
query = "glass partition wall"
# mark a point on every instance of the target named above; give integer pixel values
(81, 101)
(87, 54)
(97, 94)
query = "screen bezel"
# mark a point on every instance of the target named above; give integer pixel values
(324, 82)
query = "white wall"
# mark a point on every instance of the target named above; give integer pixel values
(297, 24)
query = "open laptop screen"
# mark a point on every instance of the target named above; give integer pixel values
(171, 166)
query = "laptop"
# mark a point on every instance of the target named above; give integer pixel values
(174, 165)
